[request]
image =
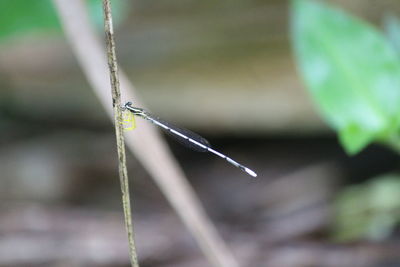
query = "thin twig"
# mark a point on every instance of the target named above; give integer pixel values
(116, 102)
(145, 142)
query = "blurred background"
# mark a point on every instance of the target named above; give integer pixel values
(224, 70)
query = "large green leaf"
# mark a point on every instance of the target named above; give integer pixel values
(19, 17)
(22, 16)
(351, 71)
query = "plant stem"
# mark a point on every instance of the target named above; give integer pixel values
(394, 143)
(116, 102)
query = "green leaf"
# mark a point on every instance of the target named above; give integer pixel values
(21, 17)
(18, 17)
(351, 71)
(353, 138)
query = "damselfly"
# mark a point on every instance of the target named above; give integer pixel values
(185, 137)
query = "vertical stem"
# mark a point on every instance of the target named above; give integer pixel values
(393, 142)
(116, 102)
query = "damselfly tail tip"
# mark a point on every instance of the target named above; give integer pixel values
(250, 172)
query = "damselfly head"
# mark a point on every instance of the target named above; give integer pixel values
(136, 111)
(128, 104)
